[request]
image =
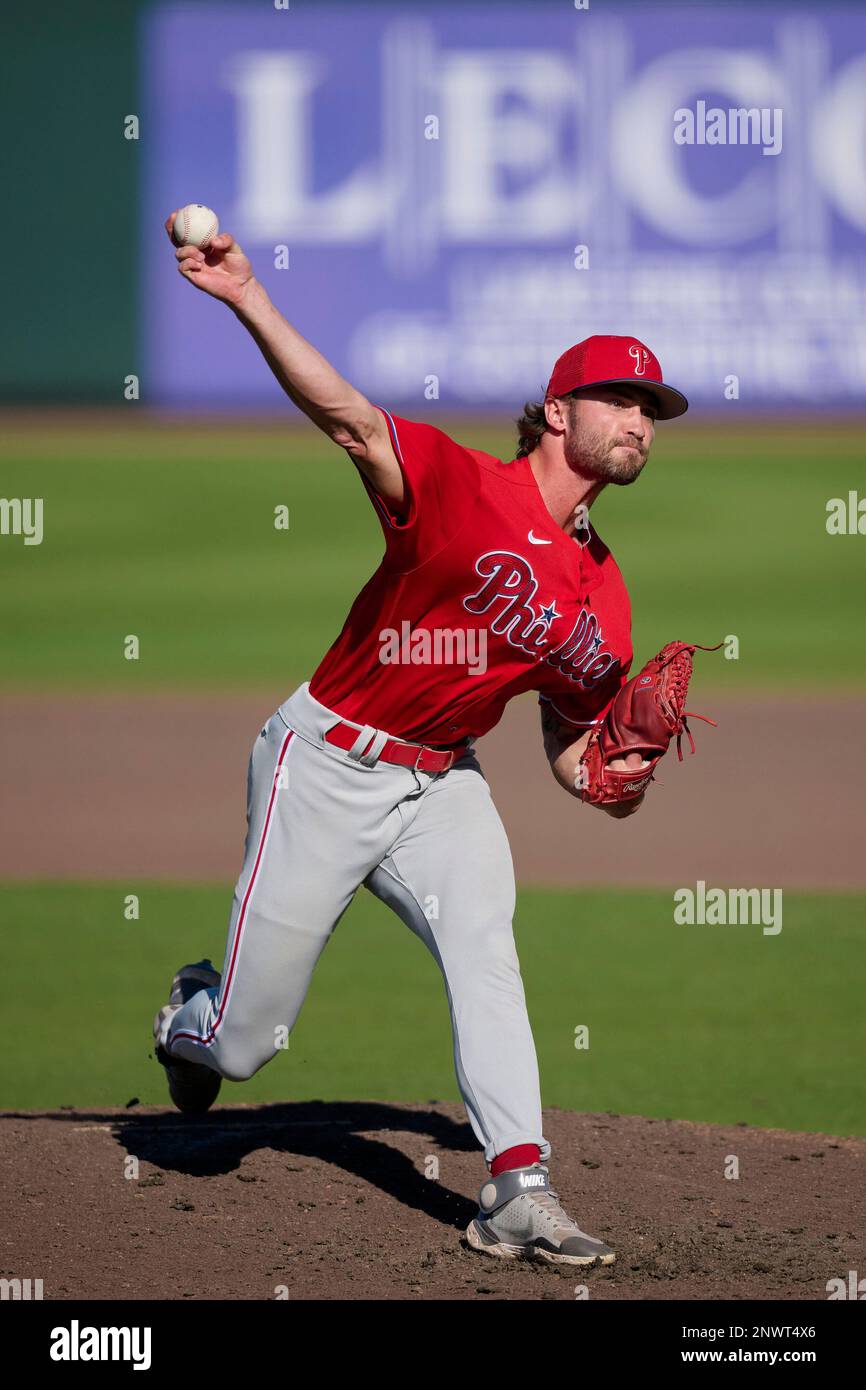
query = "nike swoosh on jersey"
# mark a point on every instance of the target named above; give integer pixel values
(534, 540)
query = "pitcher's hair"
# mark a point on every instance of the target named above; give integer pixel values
(530, 427)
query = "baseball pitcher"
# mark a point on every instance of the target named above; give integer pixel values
(494, 583)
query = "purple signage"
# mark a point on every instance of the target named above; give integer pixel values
(443, 203)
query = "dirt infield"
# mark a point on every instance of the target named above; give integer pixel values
(333, 1201)
(154, 787)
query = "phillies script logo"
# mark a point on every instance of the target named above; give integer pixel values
(508, 590)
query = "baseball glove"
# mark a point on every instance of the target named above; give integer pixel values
(645, 715)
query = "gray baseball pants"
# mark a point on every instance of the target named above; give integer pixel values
(321, 822)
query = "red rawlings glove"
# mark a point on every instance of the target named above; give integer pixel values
(645, 715)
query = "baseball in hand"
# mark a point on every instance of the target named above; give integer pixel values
(195, 225)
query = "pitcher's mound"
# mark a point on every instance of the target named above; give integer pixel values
(359, 1199)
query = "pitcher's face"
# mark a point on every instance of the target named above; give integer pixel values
(609, 432)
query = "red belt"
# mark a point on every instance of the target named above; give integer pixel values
(414, 755)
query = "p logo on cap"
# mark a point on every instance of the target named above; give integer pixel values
(641, 356)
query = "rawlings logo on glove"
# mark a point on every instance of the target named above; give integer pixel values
(645, 715)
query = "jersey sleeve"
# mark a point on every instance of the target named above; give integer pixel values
(441, 480)
(583, 709)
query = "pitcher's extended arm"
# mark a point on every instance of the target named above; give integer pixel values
(335, 406)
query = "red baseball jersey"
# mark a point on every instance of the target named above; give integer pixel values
(480, 596)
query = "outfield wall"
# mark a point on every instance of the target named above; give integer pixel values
(442, 205)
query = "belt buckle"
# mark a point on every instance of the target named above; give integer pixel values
(421, 751)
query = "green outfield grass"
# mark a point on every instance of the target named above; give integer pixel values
(702, 1023)
(168, 534)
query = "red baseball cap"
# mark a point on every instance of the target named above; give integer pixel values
(604, 360)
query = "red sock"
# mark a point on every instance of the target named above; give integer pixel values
(522, 1156)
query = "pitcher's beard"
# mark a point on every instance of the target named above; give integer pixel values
(595, 458)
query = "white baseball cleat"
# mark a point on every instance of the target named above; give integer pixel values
(192, 1086)
(520, 1218)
